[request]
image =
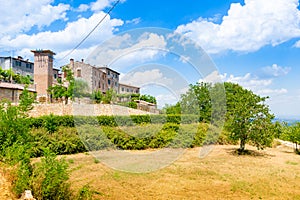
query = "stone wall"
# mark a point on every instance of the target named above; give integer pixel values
(83, 110)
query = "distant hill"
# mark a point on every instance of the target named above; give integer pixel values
(289, 121)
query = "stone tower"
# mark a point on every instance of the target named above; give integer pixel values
(43, 71)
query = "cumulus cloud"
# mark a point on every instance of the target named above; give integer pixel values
(258, 85)
(20, 16)
(125, 50)
(101, 4)
(247, 27)
(275, 70)
(213, 77)
(261, 86)
(82, 8)
(64, 40)
(140, 78)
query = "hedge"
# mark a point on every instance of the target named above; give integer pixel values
(113, 121)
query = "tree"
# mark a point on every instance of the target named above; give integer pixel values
(97, 96)
(64, 89)
(80, 88)
(109, 96)
(197, 101)
(292, 134)
(13, 130)
(248, 117)
(148, 98)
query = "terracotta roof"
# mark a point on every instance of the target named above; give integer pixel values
(14, 86)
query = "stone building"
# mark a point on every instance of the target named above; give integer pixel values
(112, 78)
(128, 89)
(12, 92)
(43, 72)
(18, 65)
(100, 78)
(95, 78)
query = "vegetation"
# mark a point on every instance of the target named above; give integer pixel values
(290, 133)
(47, 179)
(248, 118)
(8, 75)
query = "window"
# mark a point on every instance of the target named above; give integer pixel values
(55, 76)
(122, 89)
(127, 90)
(78, 72)
(108, 81)
(18, 63)
(116, 84)
(108, 73)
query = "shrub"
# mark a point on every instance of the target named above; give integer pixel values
(49, 178)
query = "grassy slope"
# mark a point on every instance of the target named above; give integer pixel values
(271, 174)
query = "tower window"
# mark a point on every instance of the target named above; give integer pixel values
(78, 72)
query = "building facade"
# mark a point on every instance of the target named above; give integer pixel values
(112, 78)
(12, 92)
(128, 89)
(43, 72)
(18, 65)
(100, 78)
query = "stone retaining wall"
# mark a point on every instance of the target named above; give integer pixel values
(83, 110)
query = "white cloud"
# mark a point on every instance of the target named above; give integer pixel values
(247, 27)
(275, 70)
(297, 44)
(249, 81)
(259, 86)
(141, 78)
(20, 16)
(213, 77)
(163, 99)
(64, 40)
(101, 4)
(125, 50)
(133, 21)
(82, 8)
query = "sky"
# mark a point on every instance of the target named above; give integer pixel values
(255, 43)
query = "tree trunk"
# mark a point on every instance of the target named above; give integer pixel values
(242, 145)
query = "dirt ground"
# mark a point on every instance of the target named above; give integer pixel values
(273, 173)
(222, 174)
(5, 193)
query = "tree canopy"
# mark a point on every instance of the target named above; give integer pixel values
(248, 118)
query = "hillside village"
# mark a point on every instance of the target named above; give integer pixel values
(44, 75)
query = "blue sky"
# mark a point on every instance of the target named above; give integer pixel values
(255, 43)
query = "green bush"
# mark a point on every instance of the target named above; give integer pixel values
(64, 141)
(52, 121)
(49, 178)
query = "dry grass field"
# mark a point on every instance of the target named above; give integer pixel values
(273, 173)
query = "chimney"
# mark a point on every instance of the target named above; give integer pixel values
(72, 63)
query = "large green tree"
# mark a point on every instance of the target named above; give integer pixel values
(248, 117)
